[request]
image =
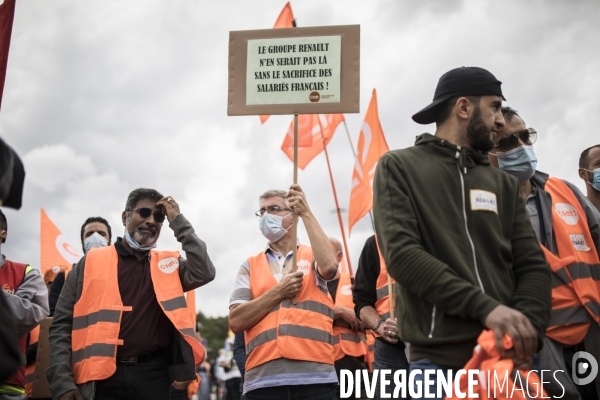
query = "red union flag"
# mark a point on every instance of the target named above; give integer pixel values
(56, 249)
(285, 20)
(328, 122)
(371, 146)
(306, 125)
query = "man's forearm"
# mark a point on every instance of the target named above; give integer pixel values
(29, 305)
(244, 316)
(197, 269)
(369, 317)
(321, 247)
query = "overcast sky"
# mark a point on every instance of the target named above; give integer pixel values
(103, 97)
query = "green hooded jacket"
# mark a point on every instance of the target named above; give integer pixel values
(456, 236)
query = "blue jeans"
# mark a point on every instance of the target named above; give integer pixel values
(424, 365)
(392, 358)
(324, 391)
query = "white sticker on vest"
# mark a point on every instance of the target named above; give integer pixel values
(579, 242)
(482, 200)
(168, 265)
(346, 290)
(567, 212)
(304, 266)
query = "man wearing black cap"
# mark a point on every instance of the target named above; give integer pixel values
(455, 234)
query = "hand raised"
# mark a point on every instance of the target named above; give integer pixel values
(297, 200)
(169, 207)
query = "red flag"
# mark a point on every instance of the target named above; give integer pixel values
(371, 146)
(329, 123)
(56, 249)
(7, 14)
(285, 20)
(305, 131)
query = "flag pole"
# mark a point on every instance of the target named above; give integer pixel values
(337, 205)
(294, 215)
(354, 152)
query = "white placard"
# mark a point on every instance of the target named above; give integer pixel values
(295, 70)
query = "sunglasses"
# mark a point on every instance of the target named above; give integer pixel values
(270, 210)
(527, 136)
(146, 212)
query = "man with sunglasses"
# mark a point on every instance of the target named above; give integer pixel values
(121, 327)
(284, 310)
(589, 171)
(568, 229)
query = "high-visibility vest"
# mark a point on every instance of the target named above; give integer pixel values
(345, 340)
(34, 336)
(576, 268)
(370, 350)
(495, 378)
(97, 314)
(301, 331)
(382, 305)
(12, 275)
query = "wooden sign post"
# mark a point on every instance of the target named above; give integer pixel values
(295, 71)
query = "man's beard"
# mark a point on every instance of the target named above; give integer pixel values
(144, 238)
(478, 134)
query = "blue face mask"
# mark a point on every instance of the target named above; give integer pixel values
(135, 245)
(271, 228)
(520, 162)
(93, 241)
(595, 183)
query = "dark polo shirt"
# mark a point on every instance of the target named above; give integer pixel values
(146, 328)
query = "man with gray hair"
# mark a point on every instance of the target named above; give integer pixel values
(283, 309)
(121, 328)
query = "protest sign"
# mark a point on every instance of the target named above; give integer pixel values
(294, 71)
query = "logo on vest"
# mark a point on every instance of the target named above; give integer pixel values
(579, 242)
(6, 287)
(304, 266)
(346, 290)
(168, 265)
(482, 200)
(567, 212)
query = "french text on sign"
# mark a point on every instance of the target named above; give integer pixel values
(291, 70)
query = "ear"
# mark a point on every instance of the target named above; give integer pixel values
(124, 218)
(3, 235)
(583, 174)
(463, 108)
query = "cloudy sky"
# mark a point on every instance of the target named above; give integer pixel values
(102, 97)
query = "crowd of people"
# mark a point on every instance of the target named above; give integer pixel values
(469, 237)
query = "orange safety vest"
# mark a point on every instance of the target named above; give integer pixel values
(382, 305)
(301, 331)
(576, 269)
(345, 340)
(97, 314)
(34, 336)
(370, 350)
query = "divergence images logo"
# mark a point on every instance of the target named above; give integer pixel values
(314, 97)
(168, 265)
(584, 364)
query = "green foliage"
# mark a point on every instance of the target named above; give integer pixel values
(214, 330)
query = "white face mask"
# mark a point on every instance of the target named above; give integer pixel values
(93, 241)
(271, 228)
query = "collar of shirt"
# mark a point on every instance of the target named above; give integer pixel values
(123, 252)
(532, 194)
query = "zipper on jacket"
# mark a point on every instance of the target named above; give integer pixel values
(464, 203)
(432, 323)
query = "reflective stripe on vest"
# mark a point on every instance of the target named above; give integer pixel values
(370, 359)
(97, 314)
(346, 341)
(576, 269)
(301, 331)
(34, 337)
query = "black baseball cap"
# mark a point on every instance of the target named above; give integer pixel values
(463, 81)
